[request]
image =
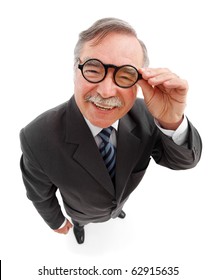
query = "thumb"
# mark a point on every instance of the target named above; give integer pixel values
(147, 89)
(68, 224)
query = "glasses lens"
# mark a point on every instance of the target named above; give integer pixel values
(126, 76)
(93, 71)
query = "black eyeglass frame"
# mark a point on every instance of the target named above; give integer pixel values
(106, 67)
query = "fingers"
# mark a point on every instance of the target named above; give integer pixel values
(68, 226)
(163, 76)
(147, 89)
(164, 94)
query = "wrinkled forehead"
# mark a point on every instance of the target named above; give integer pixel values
(118, 49)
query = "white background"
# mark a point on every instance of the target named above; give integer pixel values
(171, 216)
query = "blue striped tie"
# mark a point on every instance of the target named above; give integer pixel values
(107, 150)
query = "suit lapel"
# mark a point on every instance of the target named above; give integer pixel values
(87, 153)
(127, 153)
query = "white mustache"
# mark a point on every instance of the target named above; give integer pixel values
(109, 102)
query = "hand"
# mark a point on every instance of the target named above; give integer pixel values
(65, 228)
(165, 95)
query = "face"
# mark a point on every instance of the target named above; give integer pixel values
(103, 103)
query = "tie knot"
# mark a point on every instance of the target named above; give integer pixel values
(105, 133)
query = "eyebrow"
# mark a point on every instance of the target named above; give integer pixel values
(130, 70)
(86, 58)
(95, 63)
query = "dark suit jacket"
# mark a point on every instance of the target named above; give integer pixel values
(59, 152)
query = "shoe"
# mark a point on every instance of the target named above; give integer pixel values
(79, 234)
(122, 215)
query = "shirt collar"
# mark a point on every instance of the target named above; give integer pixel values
(95, 129)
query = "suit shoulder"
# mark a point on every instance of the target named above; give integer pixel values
(140, 112)
(47, 126)
(140, 105)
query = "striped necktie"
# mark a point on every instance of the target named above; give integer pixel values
(107, 150)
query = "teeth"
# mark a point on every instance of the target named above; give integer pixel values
(104, 107)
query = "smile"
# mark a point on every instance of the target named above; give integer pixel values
(105, 104)
(103, 107)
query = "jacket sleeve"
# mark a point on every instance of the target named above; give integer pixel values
(39, 188)
(171, 155)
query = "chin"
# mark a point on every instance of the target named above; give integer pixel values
(102, 123)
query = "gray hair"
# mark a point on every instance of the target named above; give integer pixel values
(100, 29)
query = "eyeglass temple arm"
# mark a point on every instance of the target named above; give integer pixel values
(139, 76)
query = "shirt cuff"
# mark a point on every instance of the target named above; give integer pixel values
(179, 136)
(65, 221)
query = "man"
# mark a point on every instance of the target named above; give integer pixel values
(96, 170)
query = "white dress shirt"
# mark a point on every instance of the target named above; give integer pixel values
(179, 135)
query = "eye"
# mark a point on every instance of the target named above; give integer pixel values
(93, 67)
(126, 76)
(93, 71)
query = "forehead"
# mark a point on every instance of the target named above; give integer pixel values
(115, 48)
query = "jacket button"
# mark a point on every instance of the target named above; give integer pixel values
(114, 202)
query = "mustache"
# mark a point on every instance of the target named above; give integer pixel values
(110, 102)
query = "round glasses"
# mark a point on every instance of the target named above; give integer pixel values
(94, 71)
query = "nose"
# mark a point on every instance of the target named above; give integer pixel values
(107, 88)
